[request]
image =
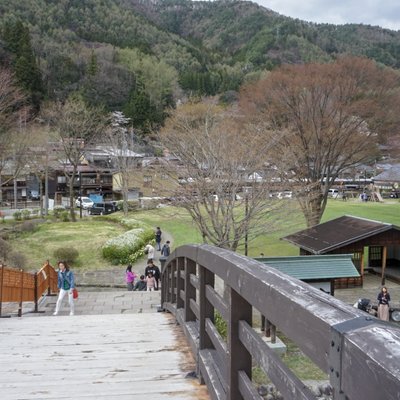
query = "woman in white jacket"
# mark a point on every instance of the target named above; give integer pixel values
(150, 251)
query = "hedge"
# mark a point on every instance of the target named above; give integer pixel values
(128, 247)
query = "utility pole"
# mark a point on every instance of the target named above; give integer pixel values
(80, 194)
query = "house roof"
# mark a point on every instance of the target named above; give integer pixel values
(337, 233)
(390, 175)
(319, 267)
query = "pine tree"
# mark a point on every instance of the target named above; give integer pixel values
(27, 72)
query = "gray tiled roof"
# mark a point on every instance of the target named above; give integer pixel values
(390, 175)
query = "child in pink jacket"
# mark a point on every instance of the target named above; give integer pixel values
(150, 282)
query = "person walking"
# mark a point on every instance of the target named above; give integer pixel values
(166, 250)
(129, 278)
(158, 238)
(383, 304)
(150, 251)
(66, 284)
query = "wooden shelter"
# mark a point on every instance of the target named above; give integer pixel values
(375, 245)
(319, 271)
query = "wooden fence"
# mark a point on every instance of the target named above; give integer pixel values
(360, 354)
(19, 286)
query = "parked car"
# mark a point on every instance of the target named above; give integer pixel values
(34, 195)
(334, 193)
(287, 194)
(102, 208)
(85, 201)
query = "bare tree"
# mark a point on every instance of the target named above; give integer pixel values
(77, 126)
(328, 118)
(224, 182)
(123, 148)
(14, 115)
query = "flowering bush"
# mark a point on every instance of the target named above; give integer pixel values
(128, 247)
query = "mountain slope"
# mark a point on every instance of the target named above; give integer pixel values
(134, 55)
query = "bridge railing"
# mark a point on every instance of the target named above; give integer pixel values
(360, 354)
(18, 286)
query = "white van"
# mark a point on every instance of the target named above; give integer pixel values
(333, 193)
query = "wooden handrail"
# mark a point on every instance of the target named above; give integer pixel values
(360, 353)
(19, 286)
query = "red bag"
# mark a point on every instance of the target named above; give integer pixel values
(74, 293)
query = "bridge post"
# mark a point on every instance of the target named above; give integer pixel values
(36, 295)
(190, 290)
(180, 265)
(239, 357)
(206, 308)
(174, 278)
(163, 281)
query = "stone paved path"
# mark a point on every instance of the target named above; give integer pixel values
(115, 276)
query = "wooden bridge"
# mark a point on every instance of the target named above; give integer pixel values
(360, 353)
(138, 356)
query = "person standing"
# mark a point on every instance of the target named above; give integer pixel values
(150, 251)
(150, 282)
(383, 304)
(66, 284)
(158, 238)
(155, 272)
(166, 250)
(129, 278)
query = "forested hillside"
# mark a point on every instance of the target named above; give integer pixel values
(142, 56)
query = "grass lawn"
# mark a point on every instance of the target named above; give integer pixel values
(85, 236)
(88, 235)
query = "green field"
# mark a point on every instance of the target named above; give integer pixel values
(88, 235)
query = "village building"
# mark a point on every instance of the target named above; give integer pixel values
(374, 245)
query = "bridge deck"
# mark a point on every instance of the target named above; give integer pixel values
(128, 356)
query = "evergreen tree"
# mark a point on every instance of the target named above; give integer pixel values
(26, 70)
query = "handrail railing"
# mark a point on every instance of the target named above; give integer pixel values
(19, 286)
(360, 353)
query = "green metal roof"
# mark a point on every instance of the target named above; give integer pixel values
(317, 267)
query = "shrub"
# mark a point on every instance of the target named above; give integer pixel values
(58, 210)
(5, 248)
(128, 247)
(25, 214)
(16, 260)
(221, 325)
(27, 226)
(35, 212)
(67, 254)
(17, 215)
(133, 205)
(64, 215)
